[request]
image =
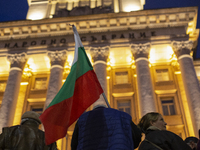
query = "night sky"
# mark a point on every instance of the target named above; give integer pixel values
(11, 10)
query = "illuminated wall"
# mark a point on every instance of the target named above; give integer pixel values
(118, 31)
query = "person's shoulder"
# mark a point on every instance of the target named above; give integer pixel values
(144, 145)
(163, 132)
(168, 132)
(11, 127)
(116, 111)
(167, 135)
(152, 133)
(8, 130)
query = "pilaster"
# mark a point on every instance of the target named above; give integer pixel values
(145, 86)
(99, 56)
(7, 110)
(57, 59)
(182, 50)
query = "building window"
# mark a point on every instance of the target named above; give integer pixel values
(162, 75)
(2, 86)
(168, 106)
(124, 105)
(40, 83)
(121, 77)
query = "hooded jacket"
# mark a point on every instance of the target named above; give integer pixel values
(105, 129)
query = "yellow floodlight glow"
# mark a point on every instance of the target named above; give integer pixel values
(161, 53)
(24, 83)
(112, 61)
(130, 8)
(47, 62)
(108, 68)
(177, 72)
(169, 52)
(189, 30)
(129, 59)
(133, 66)
(36, 16)
(32, 64)
(70, 59)
(152, 57)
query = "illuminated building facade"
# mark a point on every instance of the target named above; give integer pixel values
(143, 59)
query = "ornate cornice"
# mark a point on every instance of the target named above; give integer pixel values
(182, 47)
(99, 22)
(140, 50)
(57, 57)
(178, 45)
(17, 60)
(99, 53)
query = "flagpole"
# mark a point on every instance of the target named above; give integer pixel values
(104, 96)
(102, 93)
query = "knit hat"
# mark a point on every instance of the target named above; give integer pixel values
(31, 115)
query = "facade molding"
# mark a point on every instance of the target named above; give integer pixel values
(179, 45)
(99, 62)
(136, 19)
(19, 58)
(99, 53)
(123, 94)
(141, 58)
(15, 68)
(172, 91)
(185, 56)
(31, 100)
(57, 66)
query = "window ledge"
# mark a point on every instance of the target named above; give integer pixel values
(161, 83)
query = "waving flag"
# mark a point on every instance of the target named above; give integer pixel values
(80, 90)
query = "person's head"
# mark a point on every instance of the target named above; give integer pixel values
(152, 119)
(192, 142)
(30, 116)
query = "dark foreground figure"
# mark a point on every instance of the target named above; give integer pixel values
(105, 129)
(156, 135)
(26, 136)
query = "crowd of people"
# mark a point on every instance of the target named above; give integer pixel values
(109, 129)
(100, 129)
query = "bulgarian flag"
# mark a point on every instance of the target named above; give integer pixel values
(80, 90)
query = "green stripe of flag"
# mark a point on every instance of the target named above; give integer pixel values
(78, 69)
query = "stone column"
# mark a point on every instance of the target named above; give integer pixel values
(145, 86)
(7, 110)
(99, 56)
(191, 84)
(57, 59)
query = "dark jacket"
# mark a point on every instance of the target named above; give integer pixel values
(164, 139)
(198, 145)
(24, 137)
(105, 129)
